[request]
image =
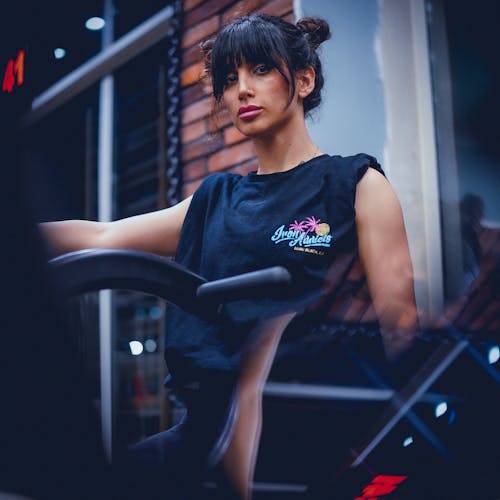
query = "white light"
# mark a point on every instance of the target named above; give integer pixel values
(493, 354)
(440, 409)
(136, 347)
(408, 441)
(95, 23)
(150, 345)
(59, 53)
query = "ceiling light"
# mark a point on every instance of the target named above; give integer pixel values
(95, 23)
(408, 441)
(59, 53)
(136, 347)
(493, 354)
(150, 345)
(440, 409)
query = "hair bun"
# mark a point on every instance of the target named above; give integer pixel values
(315, 29)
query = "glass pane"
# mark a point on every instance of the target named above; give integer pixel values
(130, 14)
(140, 368)
(466, 78)
(60, 160)
(60, 25)
(82, 315)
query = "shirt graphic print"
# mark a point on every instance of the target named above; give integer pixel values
(309, 235)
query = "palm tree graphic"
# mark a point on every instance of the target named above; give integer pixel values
(311, 223)
(298, 226)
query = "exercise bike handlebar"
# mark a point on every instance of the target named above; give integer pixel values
(261, 283)
(102, 269)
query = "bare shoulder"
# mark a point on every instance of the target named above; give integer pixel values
(375, 195)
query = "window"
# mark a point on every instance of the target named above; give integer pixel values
(466, 78)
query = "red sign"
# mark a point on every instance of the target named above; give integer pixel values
(14, 73)
(380, 486)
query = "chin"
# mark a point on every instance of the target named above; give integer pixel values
(254, 130)
(249, 131)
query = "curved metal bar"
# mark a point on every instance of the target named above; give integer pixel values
(102, 269)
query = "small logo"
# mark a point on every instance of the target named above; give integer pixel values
(309, 235)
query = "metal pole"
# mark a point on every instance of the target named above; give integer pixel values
(409, 395)
(105, 214)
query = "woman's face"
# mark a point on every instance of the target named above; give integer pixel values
(258, 99)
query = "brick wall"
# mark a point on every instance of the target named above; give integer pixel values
(227, 150)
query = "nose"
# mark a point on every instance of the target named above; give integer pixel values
(245, 88)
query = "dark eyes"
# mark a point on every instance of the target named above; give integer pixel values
(262, 69)
(258, 69)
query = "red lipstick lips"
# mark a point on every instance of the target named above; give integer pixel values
(248, 112)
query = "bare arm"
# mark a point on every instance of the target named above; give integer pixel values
(385, 255)
(156, 232)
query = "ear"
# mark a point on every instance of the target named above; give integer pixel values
(305, 80)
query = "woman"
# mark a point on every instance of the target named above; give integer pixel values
(310, 212)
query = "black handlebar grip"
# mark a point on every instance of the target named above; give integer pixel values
(262, 283)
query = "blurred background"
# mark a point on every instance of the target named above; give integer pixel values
(103, 116)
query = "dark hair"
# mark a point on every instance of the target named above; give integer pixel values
(270, 40)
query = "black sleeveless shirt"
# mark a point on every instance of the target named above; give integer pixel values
(302, 219)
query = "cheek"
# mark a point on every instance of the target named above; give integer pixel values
(279, 89)
(228, 101)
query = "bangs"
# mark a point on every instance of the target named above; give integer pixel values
(249, 40)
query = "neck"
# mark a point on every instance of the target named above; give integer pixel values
(283, 151)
